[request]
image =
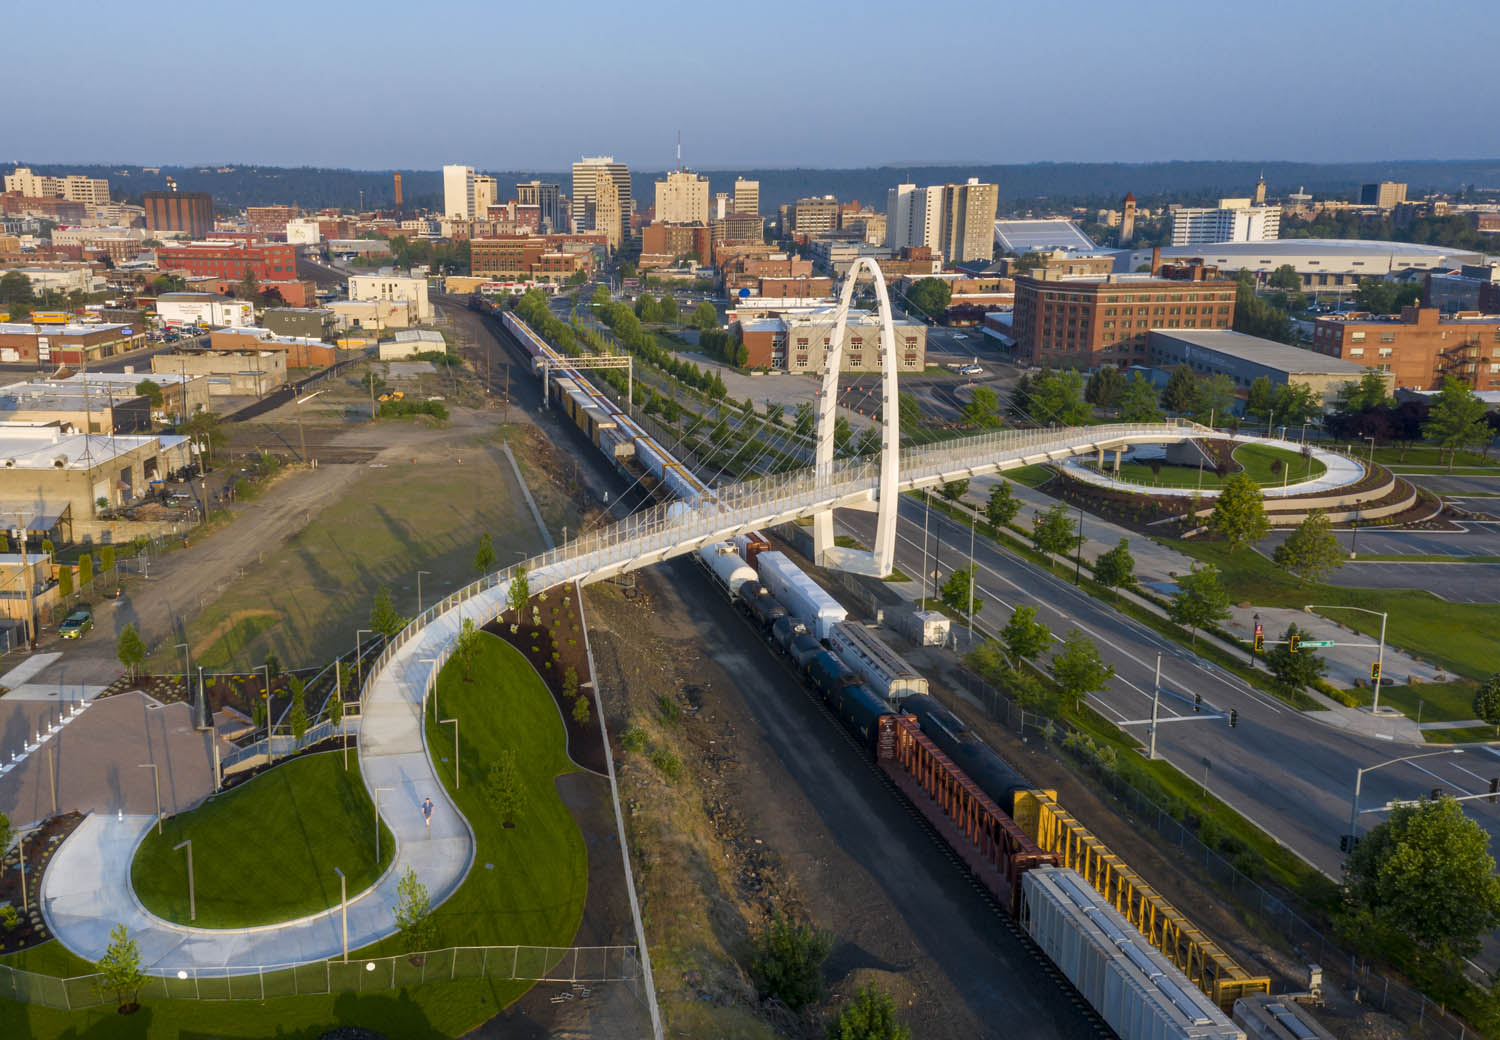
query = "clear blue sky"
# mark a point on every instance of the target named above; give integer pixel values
(534, 86)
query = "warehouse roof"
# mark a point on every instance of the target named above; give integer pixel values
(1266, 352)
(1037, 236)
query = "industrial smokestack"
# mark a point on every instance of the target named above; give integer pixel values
(396, 180)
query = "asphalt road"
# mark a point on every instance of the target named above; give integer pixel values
(1456, 582)
(1477, 539)
(997, 974)
(1292, 775)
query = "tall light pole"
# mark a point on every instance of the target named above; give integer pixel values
(377, 821)
(359, 670)
(192, 893)
(156, 782)
(444, 722)
(301, 436)
(1155, 706)
(1380, 654)
(419, 590)
(432, 661)
(344, 900)
(927, 511)
(1359, 777)
(973, 576)
(270, 749)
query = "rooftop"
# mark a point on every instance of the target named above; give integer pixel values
(40, 446)
(1266, 352)
(1036, 236)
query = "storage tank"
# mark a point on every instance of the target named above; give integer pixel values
(1138, 992)
(860, 709)
(802, 597)
(728, 570)
(804, 648)
(828, 674)
(787, 628)
(763, 608)
(883, 670)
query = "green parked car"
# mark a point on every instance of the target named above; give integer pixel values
(76, 624)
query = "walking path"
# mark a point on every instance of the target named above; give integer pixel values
(86, 890)
(1341, 471)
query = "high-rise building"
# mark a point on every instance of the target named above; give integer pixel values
(812, 216)
(189, 211)
(458, 192)
(1233, 220)
(911, 216)
(956, 220)
(586, 201)
(682, 198)
(1385, 194)
(721, 206)
(746, 196)
(547, 198)
(486, 194)
(1127, 219)
(91, 191)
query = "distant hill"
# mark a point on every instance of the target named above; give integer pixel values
(1021, 186)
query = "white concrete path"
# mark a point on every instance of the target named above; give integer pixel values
(86, 890)
(1341, 471)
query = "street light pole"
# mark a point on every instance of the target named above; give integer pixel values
(377, 821)
(1078, 559)
(973, 523)
(192, 893)
(1359, 777)
(432, 661)
(419, 589)
(444, 722)
(344, 902)
(270, 748)
(156, 782)
(1155, 706)
(1384, 616)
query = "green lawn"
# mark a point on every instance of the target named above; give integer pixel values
(1430, 702)
(1461, 637)
(264, 851)
(1428, 455)
(1255, 458)
(1031, 476)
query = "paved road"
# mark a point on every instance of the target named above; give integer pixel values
(1476, 539)
(1456, 484)
(1457, 582)
(1293, 776)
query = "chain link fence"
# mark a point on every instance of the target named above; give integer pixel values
(573, 965)
(1361, 982)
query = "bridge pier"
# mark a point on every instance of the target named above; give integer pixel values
(1119, 454)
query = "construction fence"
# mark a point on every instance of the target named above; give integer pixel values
(1341, 968)
(570, 965)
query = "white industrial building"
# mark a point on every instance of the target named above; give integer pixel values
(204, 309)
(1233, 220)
(1325, 264)
(389, 286)
(410, 342)
(303, 232)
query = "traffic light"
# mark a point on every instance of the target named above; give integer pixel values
(1260, 642)
(1295, 643)
(1374, 671)
(1234, 718)
(1197, 702)
(1348, 842)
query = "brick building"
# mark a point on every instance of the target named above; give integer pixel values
(796, 341)
(746, 272)
(1085, 321)
(67, 344)
(269, 262)
(662, 244)
(800, 288)
(1419, 347)
(543, 258)
(188, 211)
(270, 220)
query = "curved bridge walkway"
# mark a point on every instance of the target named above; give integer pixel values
(86, 890)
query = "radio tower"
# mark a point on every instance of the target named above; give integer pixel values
(679, 151)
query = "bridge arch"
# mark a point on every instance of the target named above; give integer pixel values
(881, 559)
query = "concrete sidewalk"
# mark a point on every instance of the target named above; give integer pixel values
(86, 890)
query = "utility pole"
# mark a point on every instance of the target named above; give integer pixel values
(1155, 706)
(26, 581)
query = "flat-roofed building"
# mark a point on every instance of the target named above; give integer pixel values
(227, 373)
(746, 197)
(1325, 264)
(601, 198)
(311, 322)
(54, 473)
(388, 284)
(1244, 359)
(812, 216)
(796, 340)
(1233, 220)
(203, 309)
(268, 262)
(1420, 347)
(191, 212)
(67, 344)
(410, 342)
(682, 198)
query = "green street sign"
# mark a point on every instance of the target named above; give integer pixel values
(1317, 642)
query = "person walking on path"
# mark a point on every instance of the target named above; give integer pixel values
(427, 813)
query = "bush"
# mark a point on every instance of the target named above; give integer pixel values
(788, 962)
(671, 711)
(581, 713)
(633, 740)
(668, 763)
(871, 1015)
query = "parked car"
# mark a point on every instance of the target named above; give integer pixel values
(76, 624)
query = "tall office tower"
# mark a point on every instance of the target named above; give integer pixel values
(966, 229)
(486, 194)
(586, 180)
(609, 217)
(747, 196)
(682, 198)
(1385, 194)
(1127, 219)
(547, 198)
(458, 192)
(912, 216)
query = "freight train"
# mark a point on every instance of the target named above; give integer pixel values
(957, 781)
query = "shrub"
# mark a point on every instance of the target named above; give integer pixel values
(788, 962)
(671, 711)
(581, 713)
(633, 740)
(9, 919)
(668, 763)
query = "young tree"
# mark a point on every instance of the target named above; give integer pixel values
(955, 591)
(120, 969)
(1369, 392)
(1077, 668)
(413, 912)
(1105, 387)
(1024, 637)
(1201, 599)
(909, 410)
(150, 389)
(107, 558)
(297, 719)
(706, 316)
(982, 410)
(1311, 550)
(65, 582)
(484, 555)
(570, 683)
(1054, 532)
(1290, 671)
(129, 649)
(334, 712)
(202, 428)
(1116, 568)
(1424, 875)
(788, 962)
(1057, 396)
(466, 645)
(1456, 419)
(1260, 402)
(383, 617)
(1137, 402)
(1002, 506)
(871, 1015)
(272, 661)
(86, 570)
(930, 297)
(803, 419)
(1181, 392)
(581, 712)
(504, 788)
(1214, 399)
(668, 310)
(1487, 701)
(954, 490)
(1238, 514)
